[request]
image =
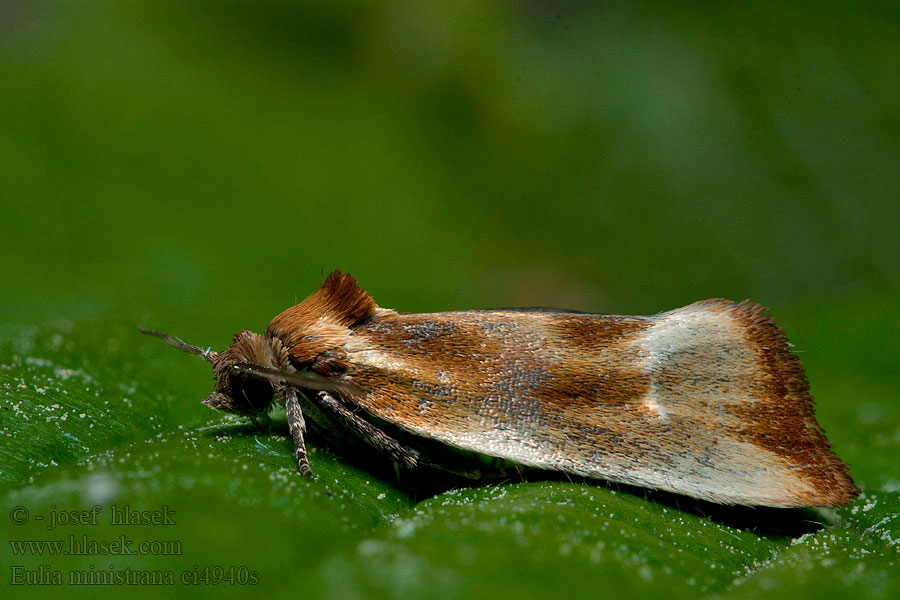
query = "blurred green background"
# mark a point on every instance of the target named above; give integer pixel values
(197, 167)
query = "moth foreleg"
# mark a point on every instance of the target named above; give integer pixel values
(297, 426)
(370, 434)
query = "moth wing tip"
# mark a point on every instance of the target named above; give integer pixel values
(836, 487)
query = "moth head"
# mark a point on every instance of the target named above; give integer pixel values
(253, 372)
(240, 387)
(245, 384)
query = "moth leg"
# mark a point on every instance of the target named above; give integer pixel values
(297, 426)
(318, 420)
(368, 432)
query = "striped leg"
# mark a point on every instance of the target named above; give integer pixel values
(297, 426)
(365, 430)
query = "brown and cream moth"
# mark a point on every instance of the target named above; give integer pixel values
(705, 400)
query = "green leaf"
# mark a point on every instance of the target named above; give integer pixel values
(84, 426)
(195, 167)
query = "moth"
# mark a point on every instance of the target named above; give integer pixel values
(705, 400)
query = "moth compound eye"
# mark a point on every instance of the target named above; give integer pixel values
(255, 391)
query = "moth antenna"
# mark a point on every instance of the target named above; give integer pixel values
(301, 379)
(208, 354)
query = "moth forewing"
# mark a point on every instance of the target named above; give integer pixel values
(704, 401)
